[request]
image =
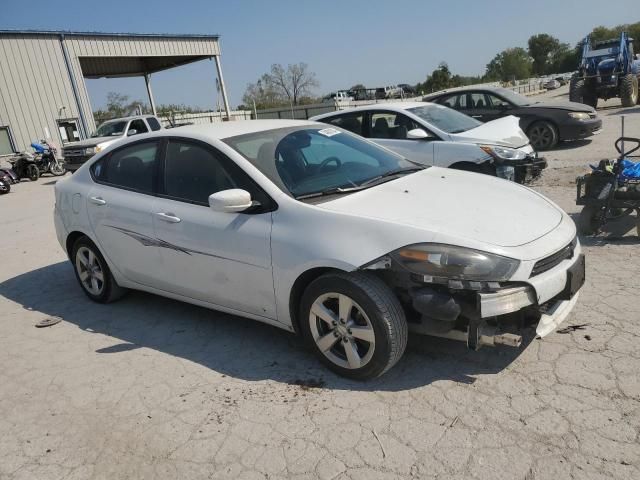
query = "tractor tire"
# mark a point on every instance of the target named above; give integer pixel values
(576, 89)
(629, 90)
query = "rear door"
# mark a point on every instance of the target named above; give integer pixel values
(120, 205)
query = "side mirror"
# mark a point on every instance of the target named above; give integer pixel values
(417, 134)
(230, 201)
(132, 131)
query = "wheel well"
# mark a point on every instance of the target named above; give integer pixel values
(543, 120)
(299, 286)
(486, 167)
(71, 239)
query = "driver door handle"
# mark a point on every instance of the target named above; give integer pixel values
(476, 116)
(98, 201)
(168, 217)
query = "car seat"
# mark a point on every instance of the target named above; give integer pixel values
(380, 128)
(131, 173)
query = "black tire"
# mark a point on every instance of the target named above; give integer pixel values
(543, 135)
(384, 313)
(588, 222)
(110, 290)
(57, 169)
(629, 90)
(578, 92)
(32, 172)
(5, 187)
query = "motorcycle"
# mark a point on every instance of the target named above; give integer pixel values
(46, 159)
(24, 166)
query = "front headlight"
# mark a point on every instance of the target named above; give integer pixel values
(504, 153)
(579, 115)
(90, 151)
(456, 263)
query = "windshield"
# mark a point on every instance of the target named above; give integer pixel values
(513, 97)
(304, 161)
(110, 129)
(445, 118)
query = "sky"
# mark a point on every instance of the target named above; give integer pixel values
(373, 42)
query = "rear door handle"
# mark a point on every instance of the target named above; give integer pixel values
(168, 217)
(476, 116)
(98, 201)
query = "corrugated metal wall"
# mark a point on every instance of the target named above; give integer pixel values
(34, 83)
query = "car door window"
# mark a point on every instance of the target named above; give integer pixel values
(139, 126)
(193, 171)
(496, 102)
(391, 125)
(352, 122)
(154, 123)
(478, 100)
(132, 167)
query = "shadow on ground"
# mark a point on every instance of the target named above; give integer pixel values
(236, 346)
(626, 111)
(619, 231)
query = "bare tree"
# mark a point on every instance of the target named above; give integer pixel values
(294, 82)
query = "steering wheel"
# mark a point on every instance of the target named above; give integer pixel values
(329, 160)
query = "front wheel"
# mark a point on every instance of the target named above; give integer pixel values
(543, 135)
(32, 172)
(354, 323)
(629, 90)
(56, 168)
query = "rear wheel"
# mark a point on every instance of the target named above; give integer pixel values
(5, 187)
(543, 135)
(354, 323)
(588, 220)
(93, 273)
(32, 172)
(629, 90)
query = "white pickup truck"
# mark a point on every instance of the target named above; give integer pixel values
(76, 153)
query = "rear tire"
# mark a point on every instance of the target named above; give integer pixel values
(629, 90)
(5, 187)
(93, 274)
(354, 323)
(543, 135)
(32, 172)
(588, 219)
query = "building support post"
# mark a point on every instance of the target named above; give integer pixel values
(147, 81)
(84, 129)
(223, 89)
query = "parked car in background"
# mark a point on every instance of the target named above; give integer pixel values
(109, 132)
(390, 91)
(407, 90)
(433, 134)
(545, 123)
(551, 84)
(315, 230)
(339, 96)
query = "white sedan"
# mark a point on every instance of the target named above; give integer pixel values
(315, 230)
(433, 134)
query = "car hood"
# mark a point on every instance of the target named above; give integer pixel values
(90, 142)
(455, 203)
(504, 131)
(563, 105)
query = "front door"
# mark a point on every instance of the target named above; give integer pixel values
(68, 129)
(120, 206)
(389, 129)
(220, 258)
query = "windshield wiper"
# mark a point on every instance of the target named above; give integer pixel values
(330, 191)
(390, 173)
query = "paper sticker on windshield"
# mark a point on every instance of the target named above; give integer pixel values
(328, 132)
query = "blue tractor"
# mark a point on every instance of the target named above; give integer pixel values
(607, 69)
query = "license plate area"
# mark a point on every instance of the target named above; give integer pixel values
(575, 279)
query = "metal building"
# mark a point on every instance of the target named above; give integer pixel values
(42, 88)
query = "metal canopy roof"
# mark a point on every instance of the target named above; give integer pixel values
(114, 67)
(107, 34)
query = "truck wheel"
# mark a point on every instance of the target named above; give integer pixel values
(576, 89)
(588, 222)
(629, 90)
(354, 323)
(543, 135)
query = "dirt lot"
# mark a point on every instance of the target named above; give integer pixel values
(152, 388)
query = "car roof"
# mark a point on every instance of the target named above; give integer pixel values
(396, 106)
(486, 88)
(126, 119)
(218, 131)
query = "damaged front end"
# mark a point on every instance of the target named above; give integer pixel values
(444, 294)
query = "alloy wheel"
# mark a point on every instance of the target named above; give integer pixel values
(90, 271)
(342, 330)
(541, 136)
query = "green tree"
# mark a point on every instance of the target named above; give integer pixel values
(542, 48)
(510, 64)
(120, 105)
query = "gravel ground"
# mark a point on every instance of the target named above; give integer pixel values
(152, 388)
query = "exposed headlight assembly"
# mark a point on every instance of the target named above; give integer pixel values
(504, 153)
(456, 263)
(579, 115)
(90, 151)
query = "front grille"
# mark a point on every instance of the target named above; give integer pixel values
(553, 260)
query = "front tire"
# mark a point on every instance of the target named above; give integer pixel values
(57, 169)
(543, 135)
(354, 323)
(93, 274)
(629, 90)
(32, 172)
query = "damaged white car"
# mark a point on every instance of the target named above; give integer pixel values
(316, 230)
(436, 135)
